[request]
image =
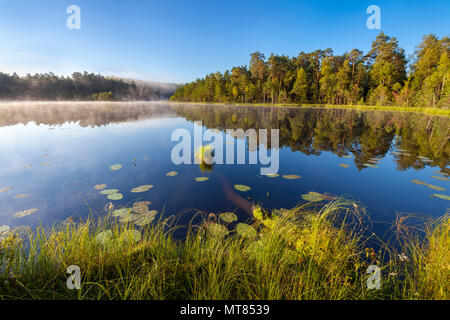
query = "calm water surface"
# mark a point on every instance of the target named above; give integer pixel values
(52, 156)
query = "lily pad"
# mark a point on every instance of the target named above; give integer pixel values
(228, 217)
(347, 156)
(419, 182)
(24, 213)
(246, 231)
(131, 236)
(171, 173)
(201, 179)
(442, 173)
(4, 230)
(46, 163)
(242, 187)
(109, 191)
(5, 189)
(104, 237)
(291, 176)
(442, 196)
(120, 212)
(22, 196)
(441, 178)
(100, 186)
(343, 165)
(142, 203)
(145, 218)
(370, 165)
(143, 188)
(217, 230)
(313, 196)
(432, 186)
(129, 217)
(115, 196)
(115, 167)
(274, 175)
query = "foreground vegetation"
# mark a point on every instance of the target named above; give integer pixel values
(302, 253)
(379, 78)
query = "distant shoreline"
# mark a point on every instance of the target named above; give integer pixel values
(430, 111)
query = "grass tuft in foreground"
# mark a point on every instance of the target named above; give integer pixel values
(301, 253)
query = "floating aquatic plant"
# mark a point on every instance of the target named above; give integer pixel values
(431, 186)
(46, 163)
(145, 218)
(142, 203)
(228, 217)
(442, 196)
(143, 188)
(171, 173)
(442, 173)
(115, 196)
(313, 196)
(246, 231)
(100, 186)
(4, 230)
(347, 156)
(24, 213)
(274, 175)
(217, 230)
(119, 213)
(291, 176)
(115, 167)
(440, 178)
(104, 237)
(343, 165)
(22, 195)
(5, 189)
(109, 191)
(419, 182)
(242, 187)
(369, 165)
(131, 236)
(201, 179)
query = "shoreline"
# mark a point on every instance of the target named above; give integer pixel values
(429, 111)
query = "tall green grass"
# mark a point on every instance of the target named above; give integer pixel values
(302, 253)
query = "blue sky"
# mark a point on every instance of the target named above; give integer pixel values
(178, 41)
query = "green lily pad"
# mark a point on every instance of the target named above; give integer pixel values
(100, 186)
(201, 179)
(442, 173)
(143, 188)
(440, 178)
(131, 236)
(290, 176)
(246, 231)
(129, 217)
(104, 237)
(171, 173)
(5, 189)
(4, 230)
(256, 250)
(432, 186)
(109, 191)
(145, 218)
(119, 213)
(370, 165)
(274, 175)
(22, 196)
(115, 196)
(242, 187)
(142, 203)
(419, 182)
(347, 156)
(442, 196)
(343, 165)
(313, 196)
(217, 230)
(115, 167)
(24, 213)
(228, 217)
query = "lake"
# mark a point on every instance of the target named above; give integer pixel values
(53, 154)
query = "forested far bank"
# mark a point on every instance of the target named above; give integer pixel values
(80, 86)
(383, 76)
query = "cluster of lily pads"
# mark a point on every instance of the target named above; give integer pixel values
(139, 214)
(434, 187)
(220, 230)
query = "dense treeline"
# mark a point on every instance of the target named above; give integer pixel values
(79, 86)
(380, 77)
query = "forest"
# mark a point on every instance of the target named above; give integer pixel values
(384, 76)
(80, 86)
